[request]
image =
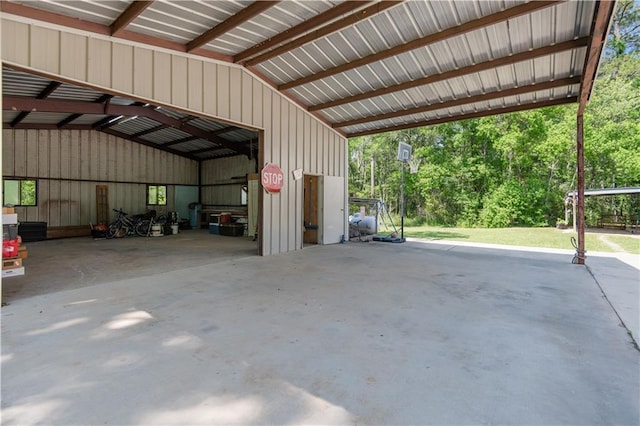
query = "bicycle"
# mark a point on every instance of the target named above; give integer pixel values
(129, 225)
(143, 228)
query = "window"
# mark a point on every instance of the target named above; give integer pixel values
(157, 195)
(19, 192)
(243, 195)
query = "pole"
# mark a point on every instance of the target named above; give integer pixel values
(580, 195)
(402, 205)
(372, 181)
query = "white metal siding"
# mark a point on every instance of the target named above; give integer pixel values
(68, 164)
(222, 180)
(292, 138)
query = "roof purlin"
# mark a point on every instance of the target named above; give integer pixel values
(301, 28)
(479, 114)
(233, 21)
(328, 29)
(424, 41)
(463, 101)
(471, 69)
(132, 12)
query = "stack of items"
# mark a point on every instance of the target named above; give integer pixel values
(13, 253)
(225, 225)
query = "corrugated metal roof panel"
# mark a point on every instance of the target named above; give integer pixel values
(266, 25)
(70, 92)
(87, 119)
(44, 118)
(183, 21)
(131, 125)
(240, 135)
(166, 135)
(15, 83)
(102, 12)
(207, 125)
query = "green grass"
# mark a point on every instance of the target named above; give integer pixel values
(630, 243)
(529, 237)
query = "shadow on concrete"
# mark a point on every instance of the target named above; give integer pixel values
(353, 333)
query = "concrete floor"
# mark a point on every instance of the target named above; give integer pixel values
(360, 333)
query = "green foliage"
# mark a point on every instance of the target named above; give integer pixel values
(515, 169)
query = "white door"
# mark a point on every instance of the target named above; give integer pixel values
(333, 204)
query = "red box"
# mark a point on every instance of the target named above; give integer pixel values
(10, 248)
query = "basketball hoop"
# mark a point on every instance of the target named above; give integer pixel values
(414, 164)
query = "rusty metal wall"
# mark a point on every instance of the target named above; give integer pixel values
(68, 164)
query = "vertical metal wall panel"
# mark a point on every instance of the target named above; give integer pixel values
(309, 161)
(247, 100)
(60, 161)
(15, 42)
(44, 168)
(74, 155)
(32, 153)
(142, 70)
(73, 56)
(8, 152)
(275, 199)
(20, 153)
(283, 149)
(179, 79)
(65, 153)
(161, 76)
(223, 92)
(194, 81)
(45, 49)
(210, 89)
(267, 214)
(99, 62)
(257, 104)
(122, 68)
(235, 94)
(291, 137)
(298, 207)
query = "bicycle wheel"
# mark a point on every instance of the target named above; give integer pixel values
(143, 227)
(112, 230)
(123, 231)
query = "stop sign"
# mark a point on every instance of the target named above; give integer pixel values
(272, 178)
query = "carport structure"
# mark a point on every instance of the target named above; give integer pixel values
(333, 69)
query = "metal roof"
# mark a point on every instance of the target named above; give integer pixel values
(367, 67)
(161, 128)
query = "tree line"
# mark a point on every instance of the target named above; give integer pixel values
(516, 169)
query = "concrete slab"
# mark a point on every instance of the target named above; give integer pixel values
(361, 333)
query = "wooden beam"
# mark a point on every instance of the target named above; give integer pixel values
(479, 114)
(602, 18)
(471, 69)
(301, 28)
(232, 22)
(463, 101)
(328, 29)
(132, 12)
(424, 41)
